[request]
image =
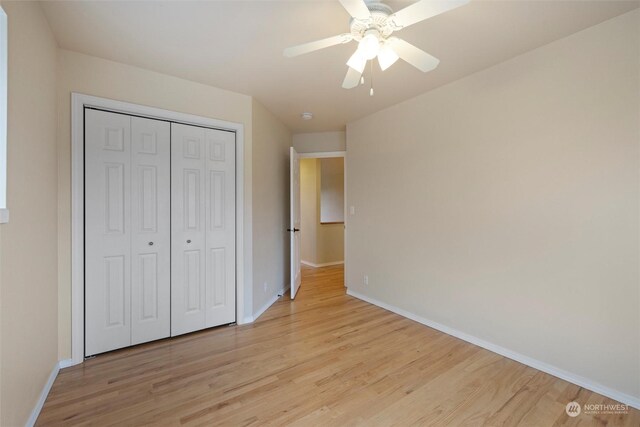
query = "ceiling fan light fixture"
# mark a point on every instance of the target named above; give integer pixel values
(370, 44)
(357, 61)
(372, 24)
(387, 57)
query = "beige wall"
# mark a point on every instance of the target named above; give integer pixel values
(505, 205)
(319, 141)
(28, 243)
(320, 243)
(308, 209)
(271, 142)
(330, 243)
(332, 190)
(98, 77)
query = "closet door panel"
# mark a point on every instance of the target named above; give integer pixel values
(220, 228)
(107, 231)
(187, 229)
(151, 228)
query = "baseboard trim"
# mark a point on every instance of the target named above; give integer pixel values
(45, 391)
(526, 360)
(325, 264)
(268, 304)
(265, 307)
(284, 290)
(66, 363)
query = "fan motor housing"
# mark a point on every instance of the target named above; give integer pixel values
(378, 21)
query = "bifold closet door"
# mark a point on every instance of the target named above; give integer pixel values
(151, 222)
(127, 230)
(203, 228)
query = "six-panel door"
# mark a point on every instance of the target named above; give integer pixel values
(159, 229)
(127, 230)
(202, 228)
(220, 219)
(107, 231)
(151, 230)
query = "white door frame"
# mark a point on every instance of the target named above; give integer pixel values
(330, 154)
(78, 103)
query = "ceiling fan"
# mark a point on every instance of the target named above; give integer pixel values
(372, 25)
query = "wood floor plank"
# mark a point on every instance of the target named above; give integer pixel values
(325, 359)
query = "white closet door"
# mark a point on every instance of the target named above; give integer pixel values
(203, 292)
(221, 231)
(187, 229)
(107, 231)
(127, 230)
(151, 222)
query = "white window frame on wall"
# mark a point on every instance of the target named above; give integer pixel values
(4, 212)
(78, 103)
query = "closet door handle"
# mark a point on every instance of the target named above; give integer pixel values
(188, 241)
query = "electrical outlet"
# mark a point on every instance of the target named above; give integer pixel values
(366, 279)
(265, 287)
(352, 210)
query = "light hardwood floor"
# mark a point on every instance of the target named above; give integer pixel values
(325, 359)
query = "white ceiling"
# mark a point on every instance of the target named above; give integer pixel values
(237, 45)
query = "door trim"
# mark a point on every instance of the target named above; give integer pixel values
(322, 155)
(78, 103)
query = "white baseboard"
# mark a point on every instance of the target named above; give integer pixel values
(265, 307)
(268, 304)
(66, 363)
(526, 360)
(284, 290)
(45, 391)
(325, 264)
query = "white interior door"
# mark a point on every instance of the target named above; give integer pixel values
(150, 222)
(220, 211)
(294, 229)
(107, 231)
(126, 231)
(203, 228)
(187, 229)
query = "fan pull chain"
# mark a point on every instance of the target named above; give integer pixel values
(371, 71)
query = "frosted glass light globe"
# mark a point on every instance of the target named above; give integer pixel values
(369, 46)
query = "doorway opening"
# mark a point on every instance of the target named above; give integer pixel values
(318, 202)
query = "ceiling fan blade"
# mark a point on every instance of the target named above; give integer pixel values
(423, 9)
(357, 61)
(356, 8)
(317, 45)
(352, 79)
(414, 56)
